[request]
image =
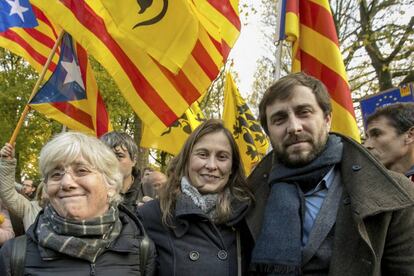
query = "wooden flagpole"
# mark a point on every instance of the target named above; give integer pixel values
(36, 88)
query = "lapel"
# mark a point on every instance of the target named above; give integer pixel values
(363, 175)
(325, 219)
(257, 180)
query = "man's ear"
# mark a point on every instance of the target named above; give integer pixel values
(410, 136)
(328, 120)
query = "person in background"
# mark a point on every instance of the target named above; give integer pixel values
(83, 230)
(6, 229)
(146, 172)
(15, 202)
(196, 223)
(324, 206)
(157, 180)
(126, 151)
(27, 188)
(390, 137)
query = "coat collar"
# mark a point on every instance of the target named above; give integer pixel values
(371, 187)
(361, 174)
(185, 209)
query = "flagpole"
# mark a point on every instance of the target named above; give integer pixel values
(36, 88)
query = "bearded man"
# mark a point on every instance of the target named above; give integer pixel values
(324, 205)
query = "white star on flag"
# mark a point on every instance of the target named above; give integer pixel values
(73, 73)
(17, 9)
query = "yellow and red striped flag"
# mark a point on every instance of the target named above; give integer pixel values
(142, 22)
(246, 130)
(158, 96)
(87, 113)
(309, 25)
(174, 137)
(221, 20)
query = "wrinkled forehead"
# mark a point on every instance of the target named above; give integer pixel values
(68, 161)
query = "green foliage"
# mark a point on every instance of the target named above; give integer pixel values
(16, 83)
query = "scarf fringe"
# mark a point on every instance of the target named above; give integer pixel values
(260, 268)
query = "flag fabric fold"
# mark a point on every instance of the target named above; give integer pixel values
(174, 137)
(157, 96)
(310, 27)
(246, 130)
(142, 22)
(86, 112)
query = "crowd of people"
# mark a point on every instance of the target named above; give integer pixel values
(319, 203)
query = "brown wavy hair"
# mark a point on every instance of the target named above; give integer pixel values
(178, 168)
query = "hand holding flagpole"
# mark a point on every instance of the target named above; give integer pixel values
(36, 88)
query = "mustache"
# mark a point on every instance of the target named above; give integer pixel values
(292, 139)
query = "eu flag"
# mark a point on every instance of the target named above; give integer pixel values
(394, 95)
(16, 13)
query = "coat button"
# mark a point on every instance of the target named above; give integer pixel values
(222, 255)
(194, 255)
(356, 168)
(347, 200)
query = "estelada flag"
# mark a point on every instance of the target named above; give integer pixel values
(157, 96)
(34, 42)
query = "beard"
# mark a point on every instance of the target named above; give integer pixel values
(300, 158)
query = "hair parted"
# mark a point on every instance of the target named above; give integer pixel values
(66, 147)
(399, 115)
(282, 88)
(178, 168)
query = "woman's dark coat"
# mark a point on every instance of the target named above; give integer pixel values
(121, 258)
(195, 245)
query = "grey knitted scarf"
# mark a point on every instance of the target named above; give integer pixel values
(278, 247)
(84, 239)
(207, 202)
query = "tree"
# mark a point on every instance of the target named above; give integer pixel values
(17, 79)
(376, 39)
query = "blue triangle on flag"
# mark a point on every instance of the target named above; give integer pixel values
(16, 13)
(66, 83)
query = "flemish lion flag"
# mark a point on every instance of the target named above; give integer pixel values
(246, 130)
(310, 26)
(174, 137)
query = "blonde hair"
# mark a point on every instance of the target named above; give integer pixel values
(66, 147)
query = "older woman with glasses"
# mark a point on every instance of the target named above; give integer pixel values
(197, 222)
(82, 230)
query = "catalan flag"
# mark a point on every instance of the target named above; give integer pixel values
(221, 20)
(34, 43)
(142, 22)
(246, 130)
(158, 96)
(174, 137)
(309, 25)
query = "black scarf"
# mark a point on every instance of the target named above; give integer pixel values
(278, 247)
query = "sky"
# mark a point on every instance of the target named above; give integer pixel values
(248, 48)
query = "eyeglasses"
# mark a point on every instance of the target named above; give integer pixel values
(76, 172)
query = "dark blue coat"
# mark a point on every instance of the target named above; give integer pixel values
(122, 257)
(195, 245)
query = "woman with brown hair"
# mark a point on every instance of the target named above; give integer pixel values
(197, 221)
